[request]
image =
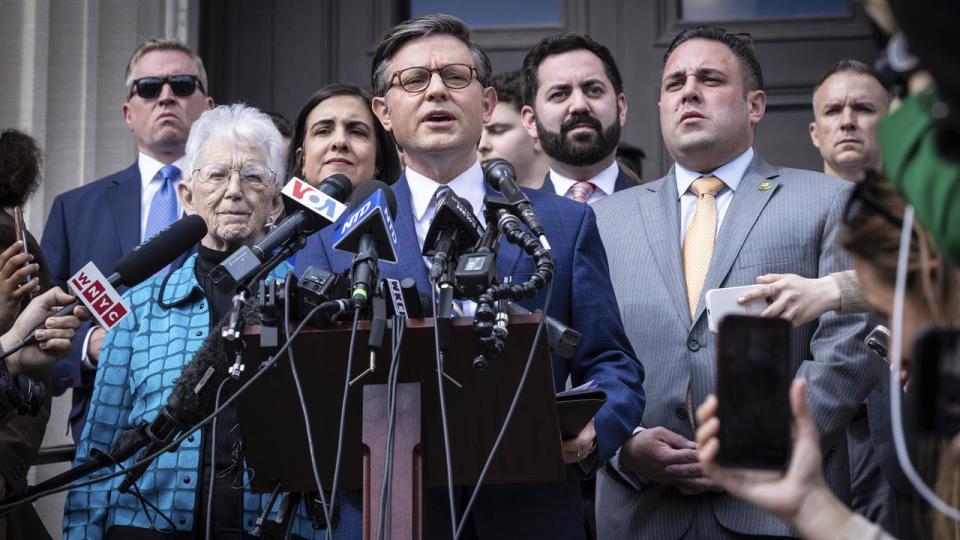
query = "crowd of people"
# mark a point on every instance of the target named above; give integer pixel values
(824, 249)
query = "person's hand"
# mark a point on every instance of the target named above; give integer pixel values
(800, 496)
(95, 344)
(53, 340)
(795, 298)
(665, 457)
(13, 287)
(581, 446)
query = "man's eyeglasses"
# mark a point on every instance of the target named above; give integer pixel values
(417, 79)
(181, 85)
(252, 174)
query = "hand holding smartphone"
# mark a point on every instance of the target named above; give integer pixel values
(21, 231)
(754, 372)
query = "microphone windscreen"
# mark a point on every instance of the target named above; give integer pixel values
(496, 171)
(161, 250)
(195, 401)
(367, 189)
(337, 186)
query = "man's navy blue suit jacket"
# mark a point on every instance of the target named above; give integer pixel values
(98, 222)
(582, 297)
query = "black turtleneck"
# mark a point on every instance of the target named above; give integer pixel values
(228, 496)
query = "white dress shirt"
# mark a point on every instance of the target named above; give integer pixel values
(468, 186)
(150, 184)
(605, 181)
(731, 173)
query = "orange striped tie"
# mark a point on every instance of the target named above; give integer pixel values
(698, 245)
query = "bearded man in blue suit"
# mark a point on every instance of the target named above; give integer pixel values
(437, 120)
(101, 221)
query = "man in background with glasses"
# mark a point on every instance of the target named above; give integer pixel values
(166, 88)
(432, 92)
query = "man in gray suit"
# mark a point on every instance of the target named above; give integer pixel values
(721, 217)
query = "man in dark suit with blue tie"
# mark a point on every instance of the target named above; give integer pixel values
(574, 104)
(99, 222)
(432, 94)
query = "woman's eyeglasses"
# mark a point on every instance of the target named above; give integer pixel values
(417, 79)
(253, 174)
(181, 85)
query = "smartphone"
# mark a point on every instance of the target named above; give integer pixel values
(935, 381)
(754, 372)
(21, 231)
(878, 340)
(723, 302)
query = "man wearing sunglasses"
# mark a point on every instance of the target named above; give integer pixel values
(166, 92)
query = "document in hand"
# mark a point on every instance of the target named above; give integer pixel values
(576, 406)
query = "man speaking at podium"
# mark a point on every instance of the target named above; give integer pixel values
(431, 87)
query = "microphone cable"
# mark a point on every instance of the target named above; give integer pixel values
(208, 525)
(4, 508)
(327, 510)
(510, 411)
(443, 411)
(393, 377)
(896, 411)
(343, 416)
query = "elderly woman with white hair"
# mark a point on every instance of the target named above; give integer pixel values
(235, 158)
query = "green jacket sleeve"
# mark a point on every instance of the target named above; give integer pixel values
(927, 180)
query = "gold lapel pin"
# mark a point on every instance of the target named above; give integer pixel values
(765, 186)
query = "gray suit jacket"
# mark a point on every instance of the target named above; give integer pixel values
(791, 226)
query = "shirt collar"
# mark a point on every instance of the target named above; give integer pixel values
(149, 168)
(731, 173)
(468, 185)
(605, 180)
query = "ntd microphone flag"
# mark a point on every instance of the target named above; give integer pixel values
(98, 295)
(372, 216)
(314, 200)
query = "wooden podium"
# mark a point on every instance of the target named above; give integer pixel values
(272, 426)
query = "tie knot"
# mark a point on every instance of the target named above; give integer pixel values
(439, 194)
(170, 173)
(707, 185)
(581, 191)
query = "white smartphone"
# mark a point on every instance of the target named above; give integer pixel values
(723, 302)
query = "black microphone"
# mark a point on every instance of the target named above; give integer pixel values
(500, 175)
(453, 227)
(308, 210)
(368, 233)
(194, 392)
(146, 259)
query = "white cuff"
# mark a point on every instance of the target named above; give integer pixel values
(85, 361)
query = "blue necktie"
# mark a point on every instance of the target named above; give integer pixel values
(163, 207)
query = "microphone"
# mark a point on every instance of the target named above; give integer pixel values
(193, 395)
(500, 175)
(453, 227)
(405, 300)
(308, 210)
(368, 233)
(146, 259)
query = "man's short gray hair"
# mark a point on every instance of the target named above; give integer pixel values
(428, 25)
(236, 124)
(164, 44)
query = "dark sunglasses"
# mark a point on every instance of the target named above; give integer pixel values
(181, 85)
(864, 197)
